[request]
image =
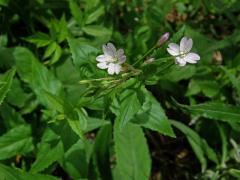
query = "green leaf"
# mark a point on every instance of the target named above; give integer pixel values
(78, 123)
(76, 159)
(8, 173)
(56, 55)
(40, 39)
(97, 30)
(4, 2)
(224, 139)
(50, 49)
(16, 96)
(81, 53)
(75, 125)
(83, 119)
(235, 82)
(94, 123)
(102, 154)
(11, 118)
(199, 145)
(178, 35)
(36, 75)
(177, 73)
(152, 116)
(234, 172)
(5, 83)
(76, 12)
(132, 154)
(3, 39)
(129, 106)
(48, 153)
(16, 141)
(55, 102)
(93, 16)
(215, 110)
(209, 88)
(63, 29)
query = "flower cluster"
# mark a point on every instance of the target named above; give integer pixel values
(113, 59)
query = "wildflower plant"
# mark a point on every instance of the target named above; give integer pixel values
(94, 90)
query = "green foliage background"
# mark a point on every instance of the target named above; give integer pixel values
(168, 122)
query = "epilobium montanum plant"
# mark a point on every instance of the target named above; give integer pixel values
(182, 53)
(113, 59)
(119, 121)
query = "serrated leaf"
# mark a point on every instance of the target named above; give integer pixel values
(55, 102)
(16, 141)
(129, 106)
(50, 49)
(63, 29)
(8, 173)
(56, 55)
(39, 39)
(36, 75)
(209, 88)
(5, 83)
(96, 30)
(216, 111)
(81, 53)
(152, 116)
(199, 145)
(47, 154)
(132, 154)
(177, 73)
(16, 96)
(94, 123)
(93, 16)
(102, 154)
(11, 118)
(75, 125)
(234, 172)
(235, 82)
(178, 35)
(78, 122)
(76, 159)
(76, 12)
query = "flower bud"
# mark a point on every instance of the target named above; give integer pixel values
(163, 39)
(149, 60)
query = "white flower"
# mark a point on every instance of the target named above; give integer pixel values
(182, 52)
(112, 59)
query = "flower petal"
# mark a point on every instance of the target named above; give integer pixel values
(122, 59)
(111, 68)
(120, 52)
(111, 46)
(109, 49)
(117, 68)
(104, 49)
(192, 58)
(180, 61)
(173, 49)
(186, 44)
(101, 58)
(102, 65)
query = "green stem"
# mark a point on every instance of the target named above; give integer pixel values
(95, 80)
(163, 59)
(145, 55)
